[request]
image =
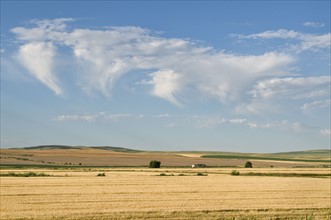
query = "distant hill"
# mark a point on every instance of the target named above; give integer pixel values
(66, 155)
(66, 147)
(322, 155)
(116, 149)
(51, 147)
(313, 154)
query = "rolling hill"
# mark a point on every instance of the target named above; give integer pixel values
(65, 155)
(66, 147)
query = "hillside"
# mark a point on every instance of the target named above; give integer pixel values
(64, 155)
(313, 154)
(303, 156)
(67, 147)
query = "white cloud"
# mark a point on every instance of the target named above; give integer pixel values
(97, 117)
(173, 68)
(165, 115)
(317, 104)
(326, 132)
(257, 107)
(294, 88)
(281, 33)
(282, 125)
(314, 42)
(207, 121)
(172, 65)
(85, 117)
(313, 24)
(43, 30)
(305, 41)
(166, 85)
(117, 117)
(238, 121)
(253, 125)
(38, 59)
(141, 116)
(193, 121)
(228, 76)
(57, 24)
(214, 121)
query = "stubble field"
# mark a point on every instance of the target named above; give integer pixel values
(141, 193)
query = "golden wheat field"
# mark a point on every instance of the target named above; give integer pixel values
(141, 193)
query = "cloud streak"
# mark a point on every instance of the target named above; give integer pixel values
(313, 24)
(294, 88)
(38, 59)
(318, 104)
(305, 41)
(101, 116)
(325, 132)
(191, 121)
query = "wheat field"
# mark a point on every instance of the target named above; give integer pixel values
(143, 194)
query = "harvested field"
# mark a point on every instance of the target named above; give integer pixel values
(141, 193)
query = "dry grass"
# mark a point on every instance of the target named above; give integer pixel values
(139, 194)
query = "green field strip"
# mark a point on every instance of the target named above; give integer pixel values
(262, 158)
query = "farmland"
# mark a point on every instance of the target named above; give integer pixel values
(107, 183)
(142, 193)
(112, 156)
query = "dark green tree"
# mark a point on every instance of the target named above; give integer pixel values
(249, 164)
(154, 164)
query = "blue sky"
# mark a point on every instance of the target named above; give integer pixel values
(246, 76)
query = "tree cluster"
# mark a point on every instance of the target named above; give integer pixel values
(154, 164)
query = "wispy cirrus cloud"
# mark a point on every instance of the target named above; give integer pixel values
(212, 122)
(281, 33)
(38, 58)
(100, 116)
(197, 121)
(171, 64)
(164, 115)
(117, 117)
(172, 67)
(325, 132)
(170, 121)
(282, 125)
(166, 85)
(304, 41)
(318, 104)
(294, 88)
(84, 117)
(314, 24)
